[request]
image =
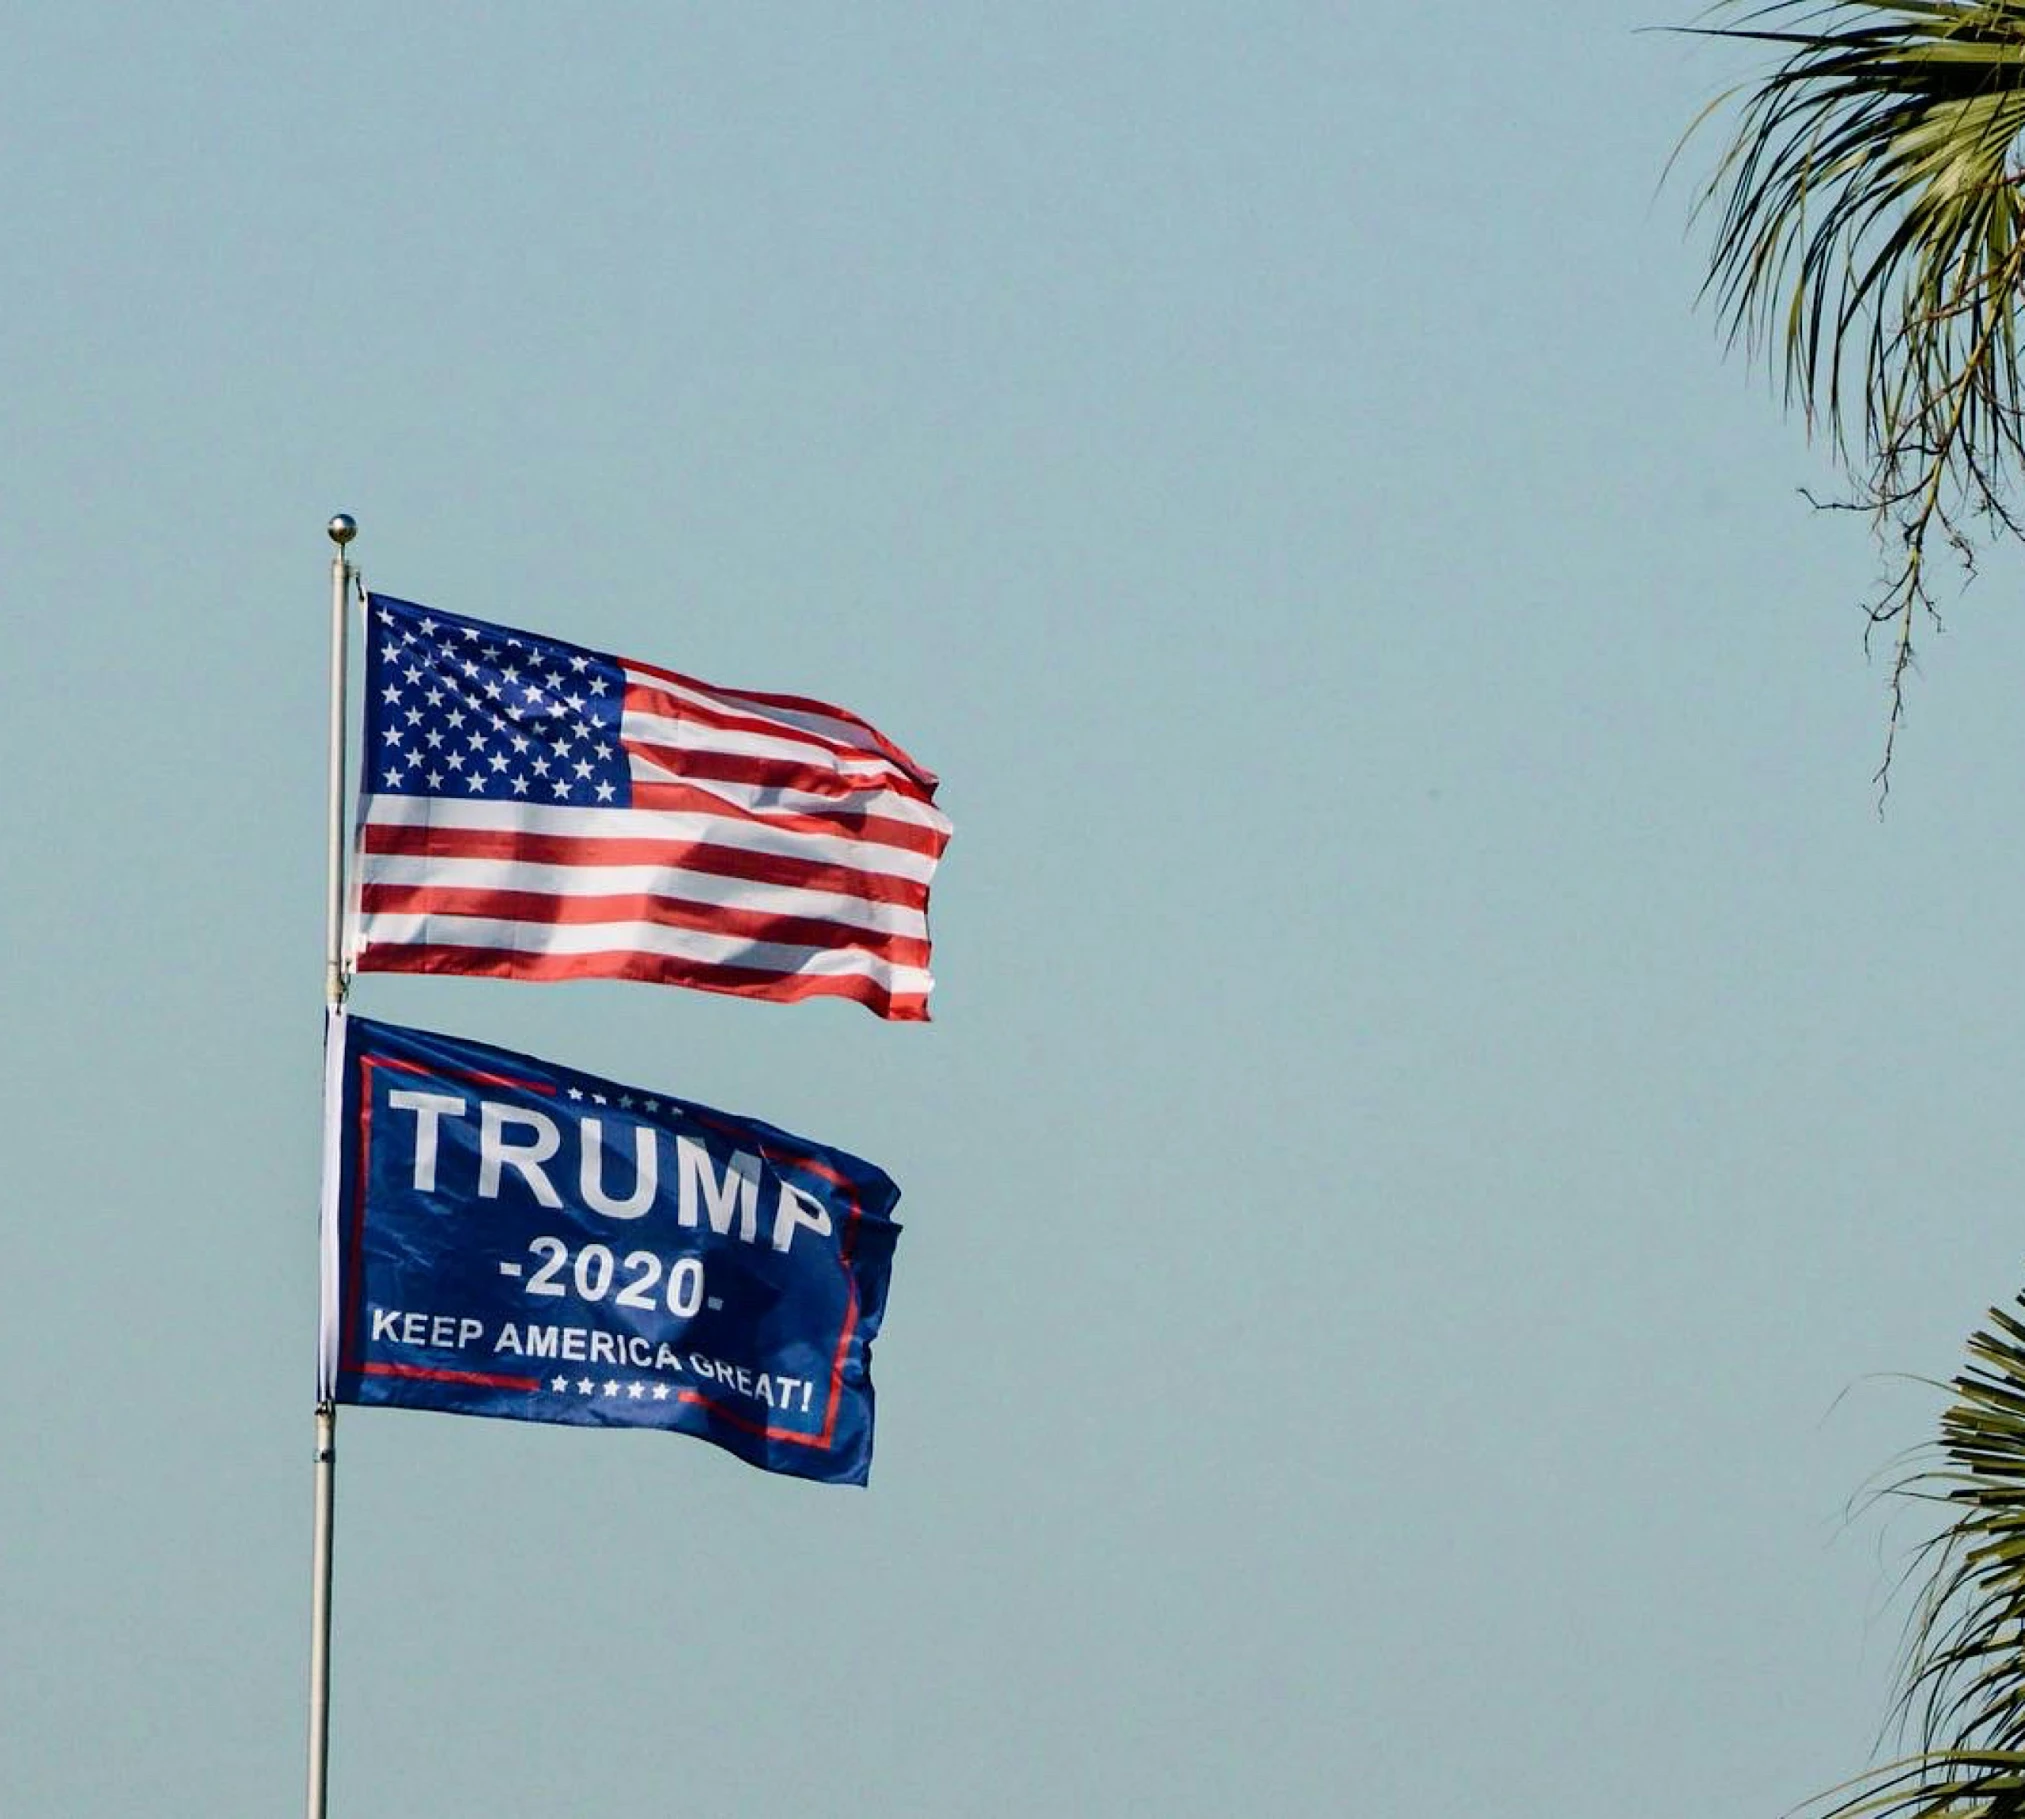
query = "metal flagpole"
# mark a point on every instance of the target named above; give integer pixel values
(341, 529)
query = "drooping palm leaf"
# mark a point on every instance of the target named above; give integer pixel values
(1870, 239)
(1963, 1693)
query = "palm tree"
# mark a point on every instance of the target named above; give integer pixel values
(1868, 214)
(1869, 242)
(1963, 1691)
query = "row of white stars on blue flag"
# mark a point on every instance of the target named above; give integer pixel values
(610, 1388)
(457, 707)
(626, 1100)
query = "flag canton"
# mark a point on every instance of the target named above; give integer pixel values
(462, 709)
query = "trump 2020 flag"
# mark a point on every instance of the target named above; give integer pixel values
(530, 809)
(504, 1236)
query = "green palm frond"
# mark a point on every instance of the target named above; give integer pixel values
(1869, 239)
(1963, 1690)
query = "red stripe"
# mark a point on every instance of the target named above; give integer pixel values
(731, 1416)
(655, 969)
(845, 1239)
(644, 697)
(470, 1075)
(662, 912)
(832, 779)
(686, 855)
(485, 1381)
(714, 767)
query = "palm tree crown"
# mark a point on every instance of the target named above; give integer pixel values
(1867, 216)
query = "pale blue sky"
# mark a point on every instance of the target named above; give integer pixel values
(1441, 1077)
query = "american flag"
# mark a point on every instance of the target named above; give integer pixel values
(529, 809)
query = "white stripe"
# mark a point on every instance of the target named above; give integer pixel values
(693, 736)
(655, 880)
(766, 798)
(674, 825)
(578, 938)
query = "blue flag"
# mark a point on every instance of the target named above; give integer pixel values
(503, 1236)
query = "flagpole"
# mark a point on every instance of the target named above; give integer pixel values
(341, 530)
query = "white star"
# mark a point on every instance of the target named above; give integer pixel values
(555, 685)
(455, 717)
(510, 674)
(434, 697)
(470, 633)
(384, 617)
(558, 1384)
(576, 1092)
(455, 761)
(562, 787)
(605, 792)
(413, 674)
(653, 1105)
(583, 769)
(599, 1099)
(391, 695)
(532, 695)
(435, 779)
(579, 662)
(393, 779)
(497, 761)
(541, 767)
(477, 740)
(470, 668)
(521, 742)
(477, 782)
(625, 1102)
(575, 703)
(636, 1390)
(492, 690)
(434, 737)
(490, 653)
(660, 1392)
(392, 736)
(414, 716)
(520, 786)
(611, 1388)
(597, 685)
(428, 628)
